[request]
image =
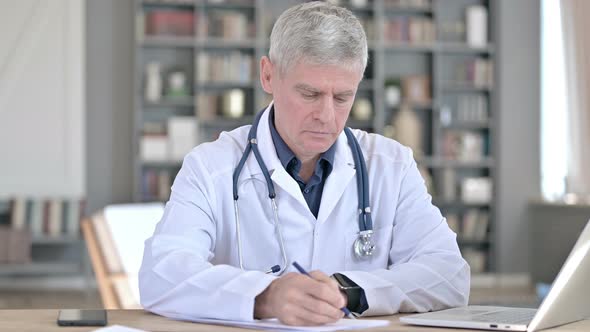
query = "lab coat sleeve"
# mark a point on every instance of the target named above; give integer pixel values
(426, 271)
(176, 278)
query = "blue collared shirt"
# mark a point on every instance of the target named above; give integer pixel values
(312, 190)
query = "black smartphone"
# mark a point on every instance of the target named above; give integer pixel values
(82, 317)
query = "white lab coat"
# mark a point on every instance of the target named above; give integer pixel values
(190, 266)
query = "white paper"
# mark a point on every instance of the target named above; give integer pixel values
(275, 325)
(118, 328)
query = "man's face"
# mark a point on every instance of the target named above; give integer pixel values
(312, 103)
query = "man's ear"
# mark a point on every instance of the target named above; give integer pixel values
(266, 72)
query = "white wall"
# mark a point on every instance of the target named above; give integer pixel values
(42, 104)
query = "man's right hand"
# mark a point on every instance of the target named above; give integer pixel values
(296, 299)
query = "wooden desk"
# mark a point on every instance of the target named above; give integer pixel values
(45, 320)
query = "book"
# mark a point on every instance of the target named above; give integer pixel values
(182, 136)
(154, 148)
(475, 258)
(169, 22)
(55, 218)
(18, 213)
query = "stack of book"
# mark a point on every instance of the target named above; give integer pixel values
(232, 25)
(411, 30)
(156, 184)
(169, 142)
(472, 225)
(475, 258)
(169, 22)
(47, 216)
(224, 67)
(463, 145)
(420, 4)
(477, 72)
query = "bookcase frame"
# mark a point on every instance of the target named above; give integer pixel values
(384, 55)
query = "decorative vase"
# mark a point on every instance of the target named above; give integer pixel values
(153, 85)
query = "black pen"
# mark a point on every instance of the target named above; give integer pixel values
(302, 271)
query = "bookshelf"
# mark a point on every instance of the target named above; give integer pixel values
(40, 241)
(422, 74)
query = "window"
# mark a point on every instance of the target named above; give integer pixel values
(553, 103)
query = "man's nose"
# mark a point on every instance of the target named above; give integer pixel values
(325, 111)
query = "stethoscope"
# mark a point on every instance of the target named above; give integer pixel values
(363, 246)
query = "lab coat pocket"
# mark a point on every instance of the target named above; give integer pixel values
(380, 258)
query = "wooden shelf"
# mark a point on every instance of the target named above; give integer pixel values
(222, 43)
(437, 162)
(224, 85)
(176, 4)
(468, 125)
(390, 46)
(171, 102)
(398, 10)
(168, 41)
(37, 268)
(459, 204)
(223, 123)
(464, 88)
(463, 48)
(473, 243)
(227, 5)
(161, 164)
(57, 240)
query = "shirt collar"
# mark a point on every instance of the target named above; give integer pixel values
(284, 152)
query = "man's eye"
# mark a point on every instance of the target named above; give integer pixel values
(309, 96)
(341, 100)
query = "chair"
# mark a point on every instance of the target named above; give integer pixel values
(115, 240)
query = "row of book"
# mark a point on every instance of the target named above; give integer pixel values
(470, 109)
(225, 67)
(169, 22)
(47, 217)
(478, 72)
(227, 25)
(412, 30)
(472, 225)
(228, 104)
(170, 140)
(470, 190)
(464, 145)
(156, 184)
(407, 3)
(477, 259)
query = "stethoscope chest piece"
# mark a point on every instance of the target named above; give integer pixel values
(364, 246)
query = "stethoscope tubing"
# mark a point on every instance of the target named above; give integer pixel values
(365, 222)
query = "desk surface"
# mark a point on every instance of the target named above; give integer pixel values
(45, 320)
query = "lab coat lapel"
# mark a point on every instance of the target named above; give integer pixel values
(279, 175)
(342, 173)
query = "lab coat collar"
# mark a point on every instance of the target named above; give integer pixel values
(336, 183)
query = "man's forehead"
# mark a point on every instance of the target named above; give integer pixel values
(311, 88)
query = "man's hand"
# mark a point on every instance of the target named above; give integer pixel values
(296, 299)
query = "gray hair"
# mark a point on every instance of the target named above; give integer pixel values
(319, 33)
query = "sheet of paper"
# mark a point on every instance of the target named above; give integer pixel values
(118, 328)
(275, 325)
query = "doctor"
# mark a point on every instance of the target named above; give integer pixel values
(231, 230)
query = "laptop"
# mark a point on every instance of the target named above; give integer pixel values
(566, 302)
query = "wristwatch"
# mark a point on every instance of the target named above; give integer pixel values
(352, 290)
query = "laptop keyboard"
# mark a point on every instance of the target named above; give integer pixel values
(512, 316)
